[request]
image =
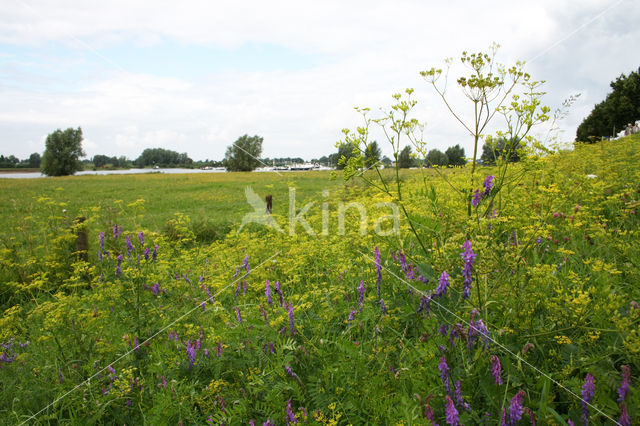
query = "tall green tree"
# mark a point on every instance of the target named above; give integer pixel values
(244, 154)
(35, 160)
(455, 155)
(63, 150)
(372, 154)
(499, 148)
(435, 157)
(405, 160)
(621, 107)
(345, 152)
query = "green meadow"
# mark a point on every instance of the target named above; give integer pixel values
(526, 309)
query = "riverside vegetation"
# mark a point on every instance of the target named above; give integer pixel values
(526, 310)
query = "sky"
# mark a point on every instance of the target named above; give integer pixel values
(193, 76)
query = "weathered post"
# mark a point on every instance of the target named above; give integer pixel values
(82, 239)
(269, 200)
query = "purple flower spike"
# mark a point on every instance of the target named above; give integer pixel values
(477, 196)
(503, 417)
(443, 284)
(279, 293)
(101, 241)
(496, 369)
(588, 390)
(488, 184)
(451, 412)
(154, 256)
(118, 269)
(360, 296)
(378, 269)
(515, 408)
(267, 292)
(141, 238)
(291, 323)
(383, 307)
(624, 420)
(238, 317)
(624, 385)
(290, 372)
(130, 247)
(459, 401)
(469, 258)
(291, 417)
(444, 373)
(146, 253)
(352, 315)
(203, 305)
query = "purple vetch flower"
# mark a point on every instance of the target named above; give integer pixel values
(378, 269)
(352, 315)
(444, 330)
(203, 304)
(488, 184)
(624, 385)
(252, 422)
(291, 323)
(451, 412)
(290, 372)
(219, 349)
(570, 422)
(496, 369)
(116, 231)
(469, 258)
(118, 269)
(209, 294)
(238, 317)
(136, 344)
(444, 373)
(245, 265)
(111, 369)
(477, 196)
(206, 353)
(155, 289)
(361, 296)
(244, 287)
(130, 247)
(146, 253)
(186, 278)
(515, 408)
(291, 417)
(237, 290)
(459, 401)
(267, 292)
(443, 284)
(268, 423)
(503, 417)
(191, 353)
(624, 419)
(587, 392)
(141, 238)
(477, 328)
(532, 418)
(425, 303)
(60, 376)
(383, 307)
(154, 255)
(279, 293)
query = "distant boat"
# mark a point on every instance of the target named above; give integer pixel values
(304, 166)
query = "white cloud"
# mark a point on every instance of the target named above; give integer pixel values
(369, 50)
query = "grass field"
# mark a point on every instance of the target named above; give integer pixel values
(525, 309)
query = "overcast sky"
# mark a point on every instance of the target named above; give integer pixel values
(193, 76)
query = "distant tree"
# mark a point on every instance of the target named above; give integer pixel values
(495, 148)
(244, 154)
(372, 154)
(455, 154)
(386, 161)
(435, 157)
(62, 153)
(35, 160)
(333, 159)
(100, 160)
(345, 151)
(160, 157)
(405, 160)
(621, 107)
